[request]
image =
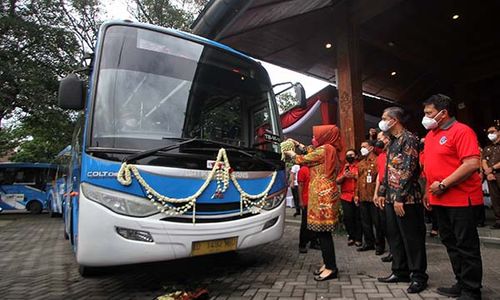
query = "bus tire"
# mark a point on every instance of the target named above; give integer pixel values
(35, 207)
(88, 271)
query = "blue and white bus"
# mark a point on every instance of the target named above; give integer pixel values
(23, 186)
(56, 192)
(177, 151)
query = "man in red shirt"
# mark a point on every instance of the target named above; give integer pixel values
(305, 234)
(451, 165)
(352, 219)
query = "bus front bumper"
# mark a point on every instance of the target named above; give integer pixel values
(99, 244)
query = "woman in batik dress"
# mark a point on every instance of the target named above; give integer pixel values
(323, 212)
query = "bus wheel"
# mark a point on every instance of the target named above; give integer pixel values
(88, 271)
(34, 207)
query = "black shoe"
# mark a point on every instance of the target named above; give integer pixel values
(302, 250)
(365, 248)
(453, 291)
(481, 225)
(358, 244)
(334, 274)
(495, 226)
(433, 233)
(469, 296)
(315, 246)
(394, 278)
(387, 258)
(416, 287)
(350, 242)
(379, 251)
(296, 214)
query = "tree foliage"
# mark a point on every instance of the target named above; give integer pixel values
(167, 13)
(40, 42)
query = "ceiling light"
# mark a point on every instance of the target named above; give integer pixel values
(328, 45)
(393, 73)
(455, 17)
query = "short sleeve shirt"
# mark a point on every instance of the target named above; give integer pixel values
(445, 150)
(303, 178)
(348, 185)
(491, 154)
(381, 160)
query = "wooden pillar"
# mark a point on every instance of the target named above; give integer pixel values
(351, 110)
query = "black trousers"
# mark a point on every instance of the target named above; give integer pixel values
(352, 221)
(305, 235)
(406, 236)
(296, 202)
(370, 218)
(457, 228)
(431, 215)
(494, 188)
(327, 249)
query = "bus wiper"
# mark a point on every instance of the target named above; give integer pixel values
(239, 150)
(150, 152)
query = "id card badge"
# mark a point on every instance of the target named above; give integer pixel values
(369, 179)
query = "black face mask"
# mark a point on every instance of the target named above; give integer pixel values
(350, 159)
(379, 144)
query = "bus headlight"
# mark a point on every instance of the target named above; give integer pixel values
(120, 203)
(274, 201)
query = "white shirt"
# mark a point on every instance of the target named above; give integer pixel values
(295, 170)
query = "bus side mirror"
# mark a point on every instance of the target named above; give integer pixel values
(71, 93)
(300, 94)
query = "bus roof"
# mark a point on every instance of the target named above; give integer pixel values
(26, 165)
(182, 34)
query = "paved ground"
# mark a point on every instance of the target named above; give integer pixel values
(36, 263)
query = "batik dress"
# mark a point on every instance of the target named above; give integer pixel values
(322, 210)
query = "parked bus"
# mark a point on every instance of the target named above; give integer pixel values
(56, 191)
(24, 185)
(177, 151)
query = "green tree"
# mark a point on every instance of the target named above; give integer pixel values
(167, 13)
(40, 42)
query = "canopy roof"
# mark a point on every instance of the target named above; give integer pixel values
(446, 46)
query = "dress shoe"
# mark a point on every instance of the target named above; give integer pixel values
(296, 214)
(358, 244)
(365, 248)
(379, 251)
(394, 278)
(334, 274)
(318, 271)
(465, 296)
(302, 250)
(387, 258)
(416, 287)
(433, 233)
(350, 242)
(453, 291)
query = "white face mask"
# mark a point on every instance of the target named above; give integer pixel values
(364, 151)
(430, 123)
(384, 125)
(492, 136)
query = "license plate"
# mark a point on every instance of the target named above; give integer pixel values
(214, 246)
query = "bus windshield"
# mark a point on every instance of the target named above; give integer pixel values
(153, 88)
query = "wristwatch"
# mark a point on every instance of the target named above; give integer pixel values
(441, 186)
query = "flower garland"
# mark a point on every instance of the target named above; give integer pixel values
(221, 171)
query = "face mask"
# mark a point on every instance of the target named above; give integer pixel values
(350, 159)
(492, 136)
(430, 123)
(384, 125)
(364, 151)
(314, 143)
